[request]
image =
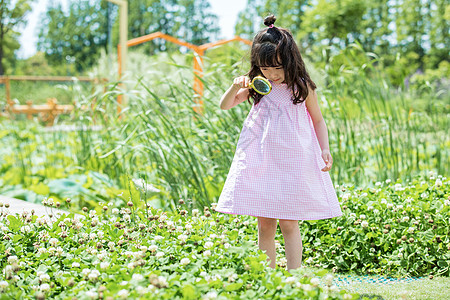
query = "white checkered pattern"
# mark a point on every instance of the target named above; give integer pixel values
(276, 169)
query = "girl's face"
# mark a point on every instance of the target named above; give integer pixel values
(275, 74)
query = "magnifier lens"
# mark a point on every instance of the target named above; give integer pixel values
(261, 86)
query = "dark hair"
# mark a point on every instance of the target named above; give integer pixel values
(275, 46)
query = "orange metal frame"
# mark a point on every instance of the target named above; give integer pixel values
(198, 59)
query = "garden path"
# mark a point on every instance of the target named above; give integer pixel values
(19, 206)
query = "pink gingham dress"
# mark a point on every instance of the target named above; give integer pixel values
(276, 170)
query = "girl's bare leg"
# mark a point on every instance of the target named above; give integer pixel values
(266, 238)
(292, 242)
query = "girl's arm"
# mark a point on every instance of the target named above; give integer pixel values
(237, 93)
(320, 127)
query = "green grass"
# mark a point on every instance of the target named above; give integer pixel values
(425, 289)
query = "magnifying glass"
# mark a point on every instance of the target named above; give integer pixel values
(261, 85)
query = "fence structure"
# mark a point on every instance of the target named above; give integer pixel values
(198, 58)
(48, 111)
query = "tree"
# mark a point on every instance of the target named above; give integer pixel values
(12, 16)
(76, 36)
(190, 20)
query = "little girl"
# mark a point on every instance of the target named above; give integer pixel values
(279, 170)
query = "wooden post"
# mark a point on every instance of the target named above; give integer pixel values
(8, 92)
(122, 47)
(29, 112)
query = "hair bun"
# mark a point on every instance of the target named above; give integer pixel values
(269, 20)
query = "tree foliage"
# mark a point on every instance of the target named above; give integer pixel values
(405, 34)
(12, 16)
(75, 36)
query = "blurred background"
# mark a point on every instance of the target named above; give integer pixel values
(381, 66)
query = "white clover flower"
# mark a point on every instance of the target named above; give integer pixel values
(195, 212)
(329, 279)
(183, 237)
(346, 196)
(12, 259)
(362, 217)
(111, 244)
(42, 250)
(405, 219)
(126, 218)
(158, 238)
(141, 290)
(78, 225)
(213, 236)
(290, 280)
(92, 213)
(75, 265)
(159, 254)
(188, 227)
(210, 296)
(309, 260)
(315, 281)
(376, 211)
(25, 229)
(3, 285)
(390, 205)
(352, 215)
(369, 208)
(102, 255)
(411, 230)
(307, 287)
(45, 287)
(93, 275)
(115, 211)
(50, 201)
(123, 294)
(348, 297)
(399, 206)
(226, 245)
(104, 265)
(364, 195)
(162, 218)
(398, 187)
(44, 278)
(137, 277)
(207, 253)
(92, 294)
(438, 183)
(153, 248)
(100, 234)
(185, 261)
(209, 245)
(364, 224)
(85, 272)
(378, 183)
(334, 288)
(383, 201)
(388, 181)
(131, 265)
(53, 242)
(447, 202)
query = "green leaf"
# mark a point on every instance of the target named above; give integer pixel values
(14, 223)
(188, 292)
(233, 286)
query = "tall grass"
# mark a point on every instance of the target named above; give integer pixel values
(375, 131)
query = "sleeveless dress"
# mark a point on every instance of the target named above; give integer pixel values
(276, 170)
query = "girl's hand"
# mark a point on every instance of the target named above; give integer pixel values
(326, 155)
(242, 82)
